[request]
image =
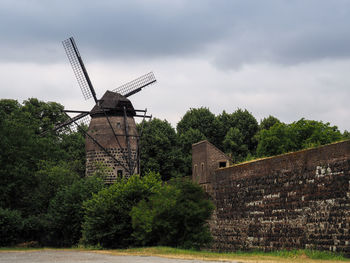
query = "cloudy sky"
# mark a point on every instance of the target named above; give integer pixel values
(286, 58)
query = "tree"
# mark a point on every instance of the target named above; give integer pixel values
(276, 140)
(223, 122)
(234, 145)
(34, 167)
(282, 138)
(268, 122)
(160, 151)
(174, 216)
(23, 149)
(65, 213)
(246, 123)
(107, 220)
(311, 133)
(200, 119)
(346, 135)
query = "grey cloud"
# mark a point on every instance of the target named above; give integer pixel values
(229, 33)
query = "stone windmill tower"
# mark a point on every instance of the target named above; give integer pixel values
(112, 140)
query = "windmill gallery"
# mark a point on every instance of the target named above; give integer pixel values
(112, 139)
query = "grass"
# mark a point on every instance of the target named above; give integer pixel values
(304, 256)
(252, 256)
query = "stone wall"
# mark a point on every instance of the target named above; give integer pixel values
(296, 200)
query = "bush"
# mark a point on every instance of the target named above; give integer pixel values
(107, 220)
(10, 226)
(65, 214)
(175, 216)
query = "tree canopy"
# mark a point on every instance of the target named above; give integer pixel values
(45, 196)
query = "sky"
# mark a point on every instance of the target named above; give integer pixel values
(285, 58)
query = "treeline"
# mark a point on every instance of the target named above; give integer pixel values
(238, 134)
(46, 200)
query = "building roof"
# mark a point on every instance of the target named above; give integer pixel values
(113, 103)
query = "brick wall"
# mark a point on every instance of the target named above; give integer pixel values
(296, 200)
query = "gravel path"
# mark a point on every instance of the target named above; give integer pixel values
(60, 256)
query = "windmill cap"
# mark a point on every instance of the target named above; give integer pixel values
(112, 103)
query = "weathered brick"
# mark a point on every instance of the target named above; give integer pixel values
(295, 200)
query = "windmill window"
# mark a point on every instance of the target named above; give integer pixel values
(120, 173)
(118, 125)
(195, 170)
(202, 166)
(222, 164)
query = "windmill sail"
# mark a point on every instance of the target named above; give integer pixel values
(70, 121)
(79, 69)
(136, 85)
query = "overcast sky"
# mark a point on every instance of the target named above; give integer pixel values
(286, 58)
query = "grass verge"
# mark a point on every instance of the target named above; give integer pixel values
(252, 256)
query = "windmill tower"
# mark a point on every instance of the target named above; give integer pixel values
(112, 139)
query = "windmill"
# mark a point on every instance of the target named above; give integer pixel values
(112, 138)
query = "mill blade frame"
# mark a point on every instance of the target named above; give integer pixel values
(79, 69)
(136, 85)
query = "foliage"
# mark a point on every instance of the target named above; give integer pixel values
(34, 167)
(235, 133)
(174, 216)
(201, 119)
(10, 226)
(346, 135)
(246, 123)
(268, 122)
(159, 149)
(107, 220)
(234, 145)
(276, 140)
(281, 138)
(65, 213)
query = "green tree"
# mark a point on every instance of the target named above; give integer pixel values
(276, 140)
(346, 135)
(234, 145)
(200, 119)
(65, 213)
(107, 220)
(268, 122)
(160, 150)
(282, 138)
(246, 123)
(32, 166)
(174, 216)
(310, 133)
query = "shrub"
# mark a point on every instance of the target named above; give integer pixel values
(175, 216)
(107, 220)
(10, 226)
(65, 214)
